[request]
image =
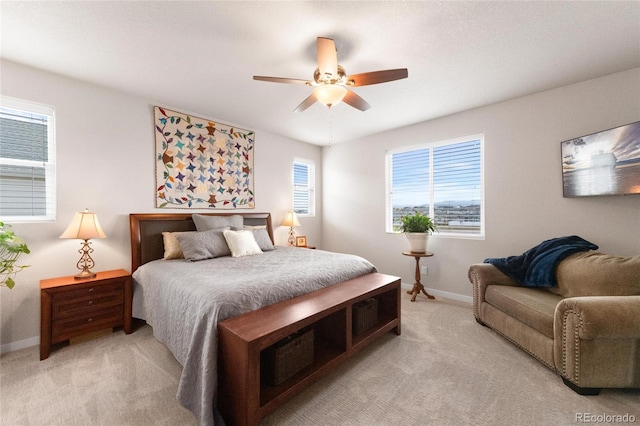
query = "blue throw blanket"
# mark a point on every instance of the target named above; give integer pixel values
(537, 266)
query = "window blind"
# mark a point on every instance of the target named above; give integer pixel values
(410, 184)
(457, 187)
(303, 188)
(27, 161)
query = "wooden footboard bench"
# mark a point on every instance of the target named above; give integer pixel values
(245, 395)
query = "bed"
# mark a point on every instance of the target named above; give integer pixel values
(184, 301)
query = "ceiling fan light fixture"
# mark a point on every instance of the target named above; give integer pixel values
(330, 94)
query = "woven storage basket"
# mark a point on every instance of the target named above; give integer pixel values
(365, 315)
(289, 356)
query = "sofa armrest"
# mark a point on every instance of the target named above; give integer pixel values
(596, 340)
(481, 275)
(600, 317)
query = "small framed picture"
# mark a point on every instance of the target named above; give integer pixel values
(301, 241)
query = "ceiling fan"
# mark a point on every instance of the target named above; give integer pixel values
(331, 82)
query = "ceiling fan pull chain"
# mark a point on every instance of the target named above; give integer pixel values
(330, 127)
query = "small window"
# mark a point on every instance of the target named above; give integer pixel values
(27, 161)
(304, 172)
(443, 180)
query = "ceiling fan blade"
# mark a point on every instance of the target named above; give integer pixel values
(306, 103)
(376, 77)
(327, 56)
(355, 101)
(282, 80)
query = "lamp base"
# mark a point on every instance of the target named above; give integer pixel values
(85, 262)
(84, 275)
(292, 237)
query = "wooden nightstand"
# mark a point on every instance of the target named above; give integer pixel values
(70, 307)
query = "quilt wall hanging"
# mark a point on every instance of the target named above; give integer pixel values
(201, 163)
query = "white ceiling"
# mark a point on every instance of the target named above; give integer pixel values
(200, 56)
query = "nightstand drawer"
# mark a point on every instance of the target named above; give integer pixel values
(63, 307)
(67, 328)
(87, 290)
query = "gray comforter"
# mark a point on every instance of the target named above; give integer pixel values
(183, 302)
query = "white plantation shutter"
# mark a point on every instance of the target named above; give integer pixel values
(443, 180)
(27, 161)
(304, 187)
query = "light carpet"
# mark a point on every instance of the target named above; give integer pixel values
(444, 369)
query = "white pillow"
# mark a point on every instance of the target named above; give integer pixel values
(241, 243)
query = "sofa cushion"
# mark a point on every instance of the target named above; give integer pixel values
(598, 274)
(534, 307)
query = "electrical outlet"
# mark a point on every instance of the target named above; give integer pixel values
(424, 270)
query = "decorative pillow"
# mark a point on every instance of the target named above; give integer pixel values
(172, 248)
(206, 223)
(241, 243)
(203, 245)
(262, 238)
(598, 274)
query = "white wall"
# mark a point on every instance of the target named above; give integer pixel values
(105, 151)
(523, 183)
(105, 157)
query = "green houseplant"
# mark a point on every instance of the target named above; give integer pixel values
(417, 222)
(417, 227)
(11, 248)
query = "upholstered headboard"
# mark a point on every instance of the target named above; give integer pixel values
(147, 228)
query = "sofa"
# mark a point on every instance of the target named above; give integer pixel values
(586, 328)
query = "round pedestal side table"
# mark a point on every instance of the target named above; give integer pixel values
(417, 286)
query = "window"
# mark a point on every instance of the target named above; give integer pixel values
(443, 180)
(304, 173)
(27, 161)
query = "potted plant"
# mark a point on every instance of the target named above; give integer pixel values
(417, 227)
(11, 248)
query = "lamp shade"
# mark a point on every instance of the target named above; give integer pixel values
(330, 94)
(84, 226)
(291, 219)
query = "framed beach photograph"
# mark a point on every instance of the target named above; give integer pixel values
(603, 163)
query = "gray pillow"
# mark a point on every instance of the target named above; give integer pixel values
(263, 240)
(206, 223)
(203, 245)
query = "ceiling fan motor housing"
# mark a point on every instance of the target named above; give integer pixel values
(329, 78)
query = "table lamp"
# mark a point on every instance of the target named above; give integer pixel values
(291, 220)
(84, 226)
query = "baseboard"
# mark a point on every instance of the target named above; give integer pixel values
(21, 344)
(444, 294)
